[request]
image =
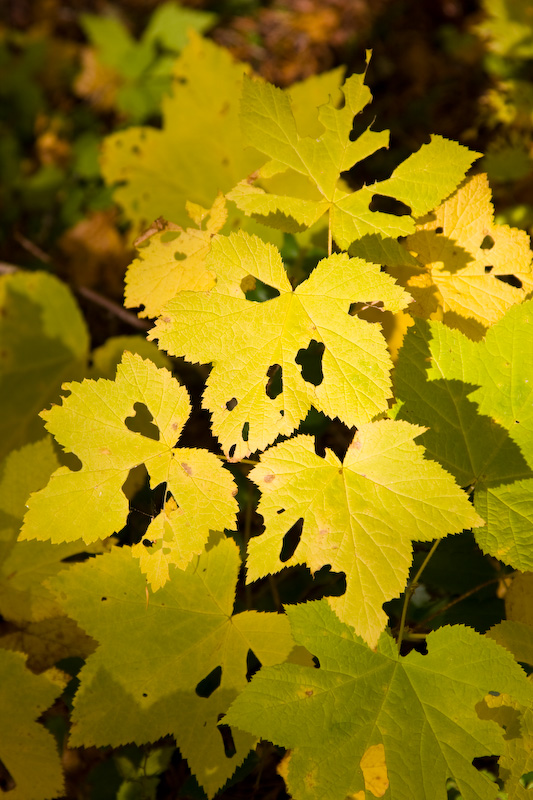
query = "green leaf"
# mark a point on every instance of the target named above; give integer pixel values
(517, 637)
(269, 124)
(90, 503)
(214, 326)
(170, 24)
(27, 750)
(475, 398)
(44, 342)
(141, 683)
(360, 516)
(420, 708)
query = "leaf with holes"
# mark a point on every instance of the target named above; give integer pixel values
(27, 750)
(302, 182)
(171, 666)
(172, 260)
(253, 345)
(463, 256)
(97, 422)
(359, 515)
(476, 400)
(422, 709)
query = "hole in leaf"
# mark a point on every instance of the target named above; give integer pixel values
(310, 360)
(210, 683)
(245, 431)
(488, 269)
(274, 385)
(7, 782)
(487, 243)
(179, 256)
(355, 308)
(147, 542)
(230, 405)
(144, 506)
(142, 422)
(102, 599)
(72, 461)
(291, 540)
(388, 205)
(440, 229)
(227, 739)
(169, 236)
(231, 451)
(144, 694)
(316, 662)
(512, 280)
(280, 511)
(252, 665)
(257, 291)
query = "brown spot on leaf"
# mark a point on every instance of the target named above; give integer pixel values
(105, 451)
(187, 468)
(269, 478)
(234, 492)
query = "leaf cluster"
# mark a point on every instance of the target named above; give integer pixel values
(274, 273)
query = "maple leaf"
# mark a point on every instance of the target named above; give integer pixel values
(173, 260)
(359, 515)
(44, 342)
(517, 637)
(145, 680)
(420, 708)
(246, 341)
(91, 504)
(155, 171)
(306, 170)
(475, 399)
(27, 749)
(464, 253)
(517, 755)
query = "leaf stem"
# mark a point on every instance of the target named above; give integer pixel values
(330, 235)
(411, 586)
(460, 599)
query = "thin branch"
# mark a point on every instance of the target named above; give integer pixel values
(459, 599)
(112, 307)
(89, 294)
(411, 586)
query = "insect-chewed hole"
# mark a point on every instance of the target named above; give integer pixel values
(388, 205)
(169, 236)
(512, 280)
(257, 291)
(487, 243)
(291, 540)
(310, 360)
(440, 229)
(252, 665)
(227, 739)
(7, 781)
(488, 269)
(245, 431)
(274, 385)
(142, 422)
(230, 405)
(231, 451)
(316, 662)
(210, 683)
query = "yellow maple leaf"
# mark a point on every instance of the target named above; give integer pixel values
(464, 253)
(172, 259)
